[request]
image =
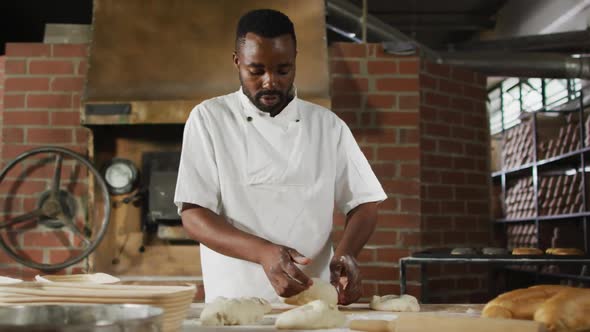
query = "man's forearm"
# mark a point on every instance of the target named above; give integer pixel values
(212, 230)
(360, 224)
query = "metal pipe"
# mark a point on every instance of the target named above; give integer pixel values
(494, 64)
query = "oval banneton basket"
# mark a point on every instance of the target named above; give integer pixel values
(175, 300)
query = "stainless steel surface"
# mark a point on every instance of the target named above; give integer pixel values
(81, 317)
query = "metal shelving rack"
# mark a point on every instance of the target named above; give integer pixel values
(577, 157)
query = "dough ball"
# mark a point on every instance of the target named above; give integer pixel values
(495, 251)
(320, 290)
(314, 315)
(238, 311)
(404, 303)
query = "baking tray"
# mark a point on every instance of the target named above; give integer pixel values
(446, 253)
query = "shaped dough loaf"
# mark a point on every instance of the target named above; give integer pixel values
(320, 290)
(314, 315)
(404, 303)
(239, 311)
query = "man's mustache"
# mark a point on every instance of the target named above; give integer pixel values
(269, 93)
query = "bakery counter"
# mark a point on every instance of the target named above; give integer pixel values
(353, 311)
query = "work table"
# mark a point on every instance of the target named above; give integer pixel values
(354, 311)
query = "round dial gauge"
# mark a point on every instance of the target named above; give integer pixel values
(120, 176)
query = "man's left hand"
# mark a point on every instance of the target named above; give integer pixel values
(345, 276)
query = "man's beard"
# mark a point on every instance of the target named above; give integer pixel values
(283, 99)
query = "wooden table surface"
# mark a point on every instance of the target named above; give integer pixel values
(354, 311)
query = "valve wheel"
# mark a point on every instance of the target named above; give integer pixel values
(56, 209)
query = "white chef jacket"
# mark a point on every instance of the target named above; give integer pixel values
(275, 177)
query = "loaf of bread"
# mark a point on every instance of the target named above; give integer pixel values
(527, 251)
(567, 311)
(564, 251)
(520, 303)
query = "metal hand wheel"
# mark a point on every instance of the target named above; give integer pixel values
(57, 214)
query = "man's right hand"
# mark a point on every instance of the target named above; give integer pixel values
(287, 279)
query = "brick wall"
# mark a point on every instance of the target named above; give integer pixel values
(455, 180)
(377, 95)
(42, 86)
(2, 58)
(422, 127)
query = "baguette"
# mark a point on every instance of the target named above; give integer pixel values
(527, 251)
(564, 251)
(569, 311)
(520, 303)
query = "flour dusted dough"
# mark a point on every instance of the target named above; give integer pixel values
(402, 303)
(314, 315)
(238, 311)
(320, 290)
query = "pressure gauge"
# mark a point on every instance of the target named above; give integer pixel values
(120, 176)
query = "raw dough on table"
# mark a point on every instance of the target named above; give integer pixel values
(404, 303)
(320, 290)
(314, 315)
(238, 311)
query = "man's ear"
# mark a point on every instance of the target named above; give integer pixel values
(236, 60)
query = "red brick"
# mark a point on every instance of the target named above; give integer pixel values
(386, 289)
(383, 238)
(367, 119)
(26, 84)
(441, 130)
(366, 256)
(409, 135)
(389, 205)
(463, 163)
(17, 118)
(376, 272)
(438, 223)
(436, 161)
(478, 207)
(438, 70)
(463, 75)
(368, 288)
(391, 254)
(398, 221)
(478, 93)
(427, 145)
(462, 132)
(376, 135)
(409, 170)
(449, 207)
(76, 101)
(411, 66)
(65, 118)
(37, 67)
(479, 237)
(478, 179)
(462, 104)
(476, 120)
(439, 192)
(430, 175)
(346, 101)
(21, 187)
(441, 284)
(382, 67)
(348, 50)
(369, 152)
(436, 99)
(49, 101)
(410, 239)
(410, 205)
(34, 255)
(16, 67)
(67, 84)
(428, 82)
(12, 135)
(345, 66)
(385, 170)
(82, 135)
(450, 117)
(342, 84)
(27, 49)
(401, 187)
(49, 135)
(47, 239)
(408, 102)
(432, 239)
(82, 68)
(397, 84)
(447, 146)
(430, 207)
(14, 101)
(475, 149)
(350, 118)
(450, 87)
(454, 237)
(452, 177)
(380, 101)
(398, 153)
(465, 224)
(70, 50)
(58, 256)
(398, 118)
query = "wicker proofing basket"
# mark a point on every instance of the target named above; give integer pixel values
(175, 300)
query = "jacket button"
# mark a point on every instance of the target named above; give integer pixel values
(249, 118)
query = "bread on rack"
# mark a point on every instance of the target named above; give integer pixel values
(567, 311)
(520, 303)
(527, 251)
(564, 251)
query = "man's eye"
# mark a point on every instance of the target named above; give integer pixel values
(257, 73)
(284, 72)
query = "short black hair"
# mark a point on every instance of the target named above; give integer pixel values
(268, 23)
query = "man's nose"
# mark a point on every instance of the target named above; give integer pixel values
(270, 81)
